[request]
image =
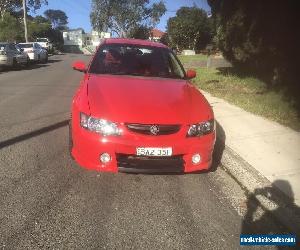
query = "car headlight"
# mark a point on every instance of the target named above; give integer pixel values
(101, 126)
(202, 128)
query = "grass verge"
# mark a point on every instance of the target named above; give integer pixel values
(194, 58)
(250, 94)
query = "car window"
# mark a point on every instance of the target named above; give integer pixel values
(12, 47)
(18, 47)
(122, 59)
(26, 45)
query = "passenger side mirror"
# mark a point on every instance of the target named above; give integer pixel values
(79, 66)
(190, 74)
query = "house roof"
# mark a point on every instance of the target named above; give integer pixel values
(157, 33)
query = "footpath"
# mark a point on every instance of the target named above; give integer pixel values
(269, 157)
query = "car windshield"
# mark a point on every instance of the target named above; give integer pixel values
(26, 45)
(43, 40)
(120, 59)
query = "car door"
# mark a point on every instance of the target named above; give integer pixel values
(39, 51)
(10, 53)
(19, 55)
(35, 51)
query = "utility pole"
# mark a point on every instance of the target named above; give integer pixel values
(25, 20)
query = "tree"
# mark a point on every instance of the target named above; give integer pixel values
(165, 39)
(122, 16)
(15, 5)
(36, 28)
(41, 19)
(139, 32)
(253, 33)
(36, 4)
(58, 18)
(262, 38)
(56, 37)
(10, 28)
(9, 6)
(189, 29)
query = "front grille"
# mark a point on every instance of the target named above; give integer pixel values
(145, 164)
(146, 129)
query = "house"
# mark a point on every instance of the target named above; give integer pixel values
(96, 37)
(73, 40)
(76, 39)
(156, 35)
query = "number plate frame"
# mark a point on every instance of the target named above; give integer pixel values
(154, 152)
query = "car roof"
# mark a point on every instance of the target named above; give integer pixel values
(134, 42)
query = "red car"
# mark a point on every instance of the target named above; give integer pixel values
(136, 111)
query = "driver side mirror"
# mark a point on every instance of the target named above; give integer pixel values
(190, 74)
(79, 66)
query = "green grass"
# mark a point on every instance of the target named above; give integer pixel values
(188, 59)
(250, 94)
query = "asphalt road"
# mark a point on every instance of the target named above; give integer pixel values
(47, 201)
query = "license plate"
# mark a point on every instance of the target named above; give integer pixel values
(154, 151)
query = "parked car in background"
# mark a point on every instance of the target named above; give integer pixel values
(11, 55)
(35, 52)
(45, 43)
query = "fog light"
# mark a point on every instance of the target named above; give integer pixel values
(105, 158)
(196, 158)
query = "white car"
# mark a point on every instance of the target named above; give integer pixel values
(45, 43)
(35, 52)
(11, 55)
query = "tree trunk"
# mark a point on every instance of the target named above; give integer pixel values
(25, 20)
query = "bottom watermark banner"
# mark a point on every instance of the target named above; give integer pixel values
(268, 239)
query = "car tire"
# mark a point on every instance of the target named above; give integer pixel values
(39, 59)
(28, 61)
(15, 63)
(46, 59)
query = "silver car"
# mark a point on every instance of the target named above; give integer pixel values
(35, 52)
(11, 55)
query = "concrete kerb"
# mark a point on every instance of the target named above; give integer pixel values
(250, 180)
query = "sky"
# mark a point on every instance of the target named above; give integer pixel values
(78, 11)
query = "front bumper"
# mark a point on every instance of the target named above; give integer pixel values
(88, 146)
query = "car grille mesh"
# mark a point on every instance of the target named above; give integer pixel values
(146, 129)
(134, 163)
